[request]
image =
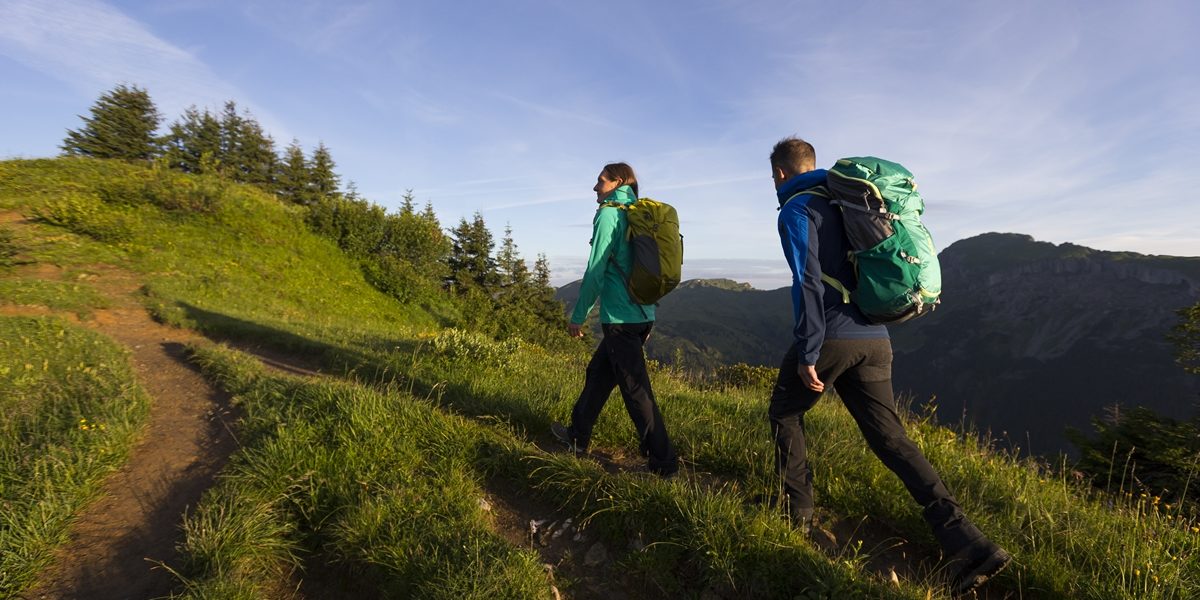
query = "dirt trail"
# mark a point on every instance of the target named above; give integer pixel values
(118, 542)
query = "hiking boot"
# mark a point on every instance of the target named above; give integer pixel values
(563, 434)
(979, 564)
(802, 519)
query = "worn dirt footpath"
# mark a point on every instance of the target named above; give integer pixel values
(118, 542)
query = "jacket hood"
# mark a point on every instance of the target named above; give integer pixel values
(799, 183)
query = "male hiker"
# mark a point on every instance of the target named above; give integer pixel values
(619, 361)
(835, 345)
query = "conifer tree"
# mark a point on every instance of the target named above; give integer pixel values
(513, 274)
(246, 153)
(470, 261)
(417, 239)
(122, 125)
(323, 180)
(292, 175)
(193, 143)
(549, 308)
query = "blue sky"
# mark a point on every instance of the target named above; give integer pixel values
(1068, 121)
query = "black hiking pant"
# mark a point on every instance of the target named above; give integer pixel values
(619, 362)
(861, 372)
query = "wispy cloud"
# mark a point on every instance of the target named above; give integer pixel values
(93, 47)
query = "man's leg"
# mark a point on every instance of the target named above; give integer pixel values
(625, 347)
(790, 399)
(867, 393)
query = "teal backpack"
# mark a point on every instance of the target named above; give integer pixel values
(896, 264)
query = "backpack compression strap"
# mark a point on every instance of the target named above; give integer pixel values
(837, 285)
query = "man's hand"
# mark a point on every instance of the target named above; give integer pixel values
(575, 331)
(808, 374)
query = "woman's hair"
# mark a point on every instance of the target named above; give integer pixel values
(623, 173)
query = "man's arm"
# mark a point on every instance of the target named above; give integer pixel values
(603, 237)
(798, 234)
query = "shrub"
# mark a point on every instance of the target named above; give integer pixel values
(742, 375)
(85, 214)
(167, 190)
(457, 344)
(398, 278)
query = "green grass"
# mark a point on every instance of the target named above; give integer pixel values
(78, 298)
(323, 460)
(390, 484)
(71, 413)
(381, 484)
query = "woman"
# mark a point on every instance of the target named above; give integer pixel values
(619, 360)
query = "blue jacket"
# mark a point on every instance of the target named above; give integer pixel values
(603, 279)
(810, 230)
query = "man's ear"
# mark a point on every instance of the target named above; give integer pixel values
(780, 175)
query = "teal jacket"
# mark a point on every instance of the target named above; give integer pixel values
(602, 279)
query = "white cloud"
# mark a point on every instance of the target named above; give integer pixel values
(94, 47)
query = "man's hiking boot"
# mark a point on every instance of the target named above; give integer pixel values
(563, 434)
(979, 564)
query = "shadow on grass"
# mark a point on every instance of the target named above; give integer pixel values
(372, 364)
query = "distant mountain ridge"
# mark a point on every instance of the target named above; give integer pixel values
(1031, 337)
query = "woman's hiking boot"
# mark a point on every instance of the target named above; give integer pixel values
(563, 434)
(977, 564)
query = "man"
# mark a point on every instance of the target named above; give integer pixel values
(835, 345)
(619, 360)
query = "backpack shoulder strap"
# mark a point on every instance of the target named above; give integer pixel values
(819, 190)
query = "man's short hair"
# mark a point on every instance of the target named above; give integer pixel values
(794, 156)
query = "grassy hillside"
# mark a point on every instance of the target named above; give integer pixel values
(369, 481)
(71, 413)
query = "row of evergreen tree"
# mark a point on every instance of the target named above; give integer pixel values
(406, 254)
(124, 124)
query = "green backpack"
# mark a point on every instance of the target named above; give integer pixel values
(899, 277)
(657, 246)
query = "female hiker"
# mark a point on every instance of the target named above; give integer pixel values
(619, 360)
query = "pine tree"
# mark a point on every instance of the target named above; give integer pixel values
(323, 180)
(513, 274)
(122, 126)
(549, 308)
(471, 264)
(193, 144)
(417, 239)
(246, 153)
(292, 175)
